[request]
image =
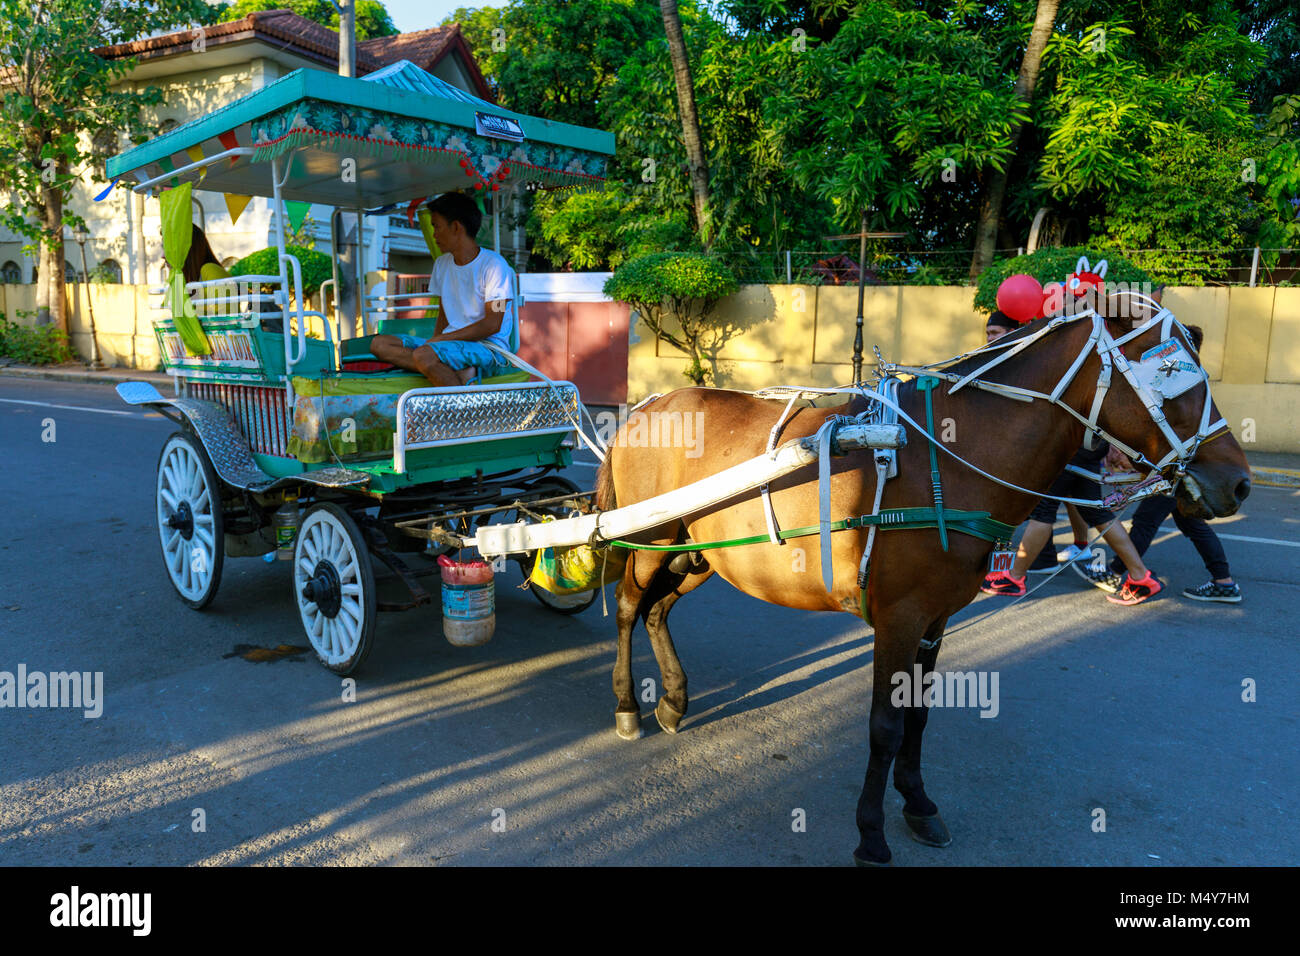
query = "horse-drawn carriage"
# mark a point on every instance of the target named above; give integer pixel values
(283, 410)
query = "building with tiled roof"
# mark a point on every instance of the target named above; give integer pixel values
(201, 69)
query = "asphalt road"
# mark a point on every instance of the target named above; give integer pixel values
(1136, 711)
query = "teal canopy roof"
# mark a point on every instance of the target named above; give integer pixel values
(407, 133)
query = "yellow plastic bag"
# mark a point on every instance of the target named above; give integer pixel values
(578, 568)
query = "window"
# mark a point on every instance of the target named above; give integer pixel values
(107, 271)
(70, 273)
(10, 274)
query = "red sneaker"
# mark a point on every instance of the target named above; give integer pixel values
(1000, 582)
(1135, 592)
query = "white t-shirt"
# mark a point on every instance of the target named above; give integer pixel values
(466, 290)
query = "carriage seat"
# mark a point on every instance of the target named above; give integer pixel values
(355, 355)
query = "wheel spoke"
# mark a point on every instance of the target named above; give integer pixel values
(311, 547)
(168, 499)
(353, 609)
(175, 558)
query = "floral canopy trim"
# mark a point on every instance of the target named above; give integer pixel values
(487, 162)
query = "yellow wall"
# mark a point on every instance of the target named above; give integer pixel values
(123, 320)
(803, 335)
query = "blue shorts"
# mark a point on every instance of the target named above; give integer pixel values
(458, 355)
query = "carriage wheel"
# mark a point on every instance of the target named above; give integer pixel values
(559, 603)
(190, 527)
(334, 586)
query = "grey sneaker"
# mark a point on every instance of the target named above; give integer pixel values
(1212, 591)
(1073, 553)
(1099, 576)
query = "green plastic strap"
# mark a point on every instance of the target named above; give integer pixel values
(927, 384)
(977, 524)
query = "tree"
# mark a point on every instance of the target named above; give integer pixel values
(372, 16)
(699, 169)
(57, 95)
(1158, 149)
(986, 231)
(898, 109)
(556, 60)
(675, 295)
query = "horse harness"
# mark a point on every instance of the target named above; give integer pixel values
(1163, 372)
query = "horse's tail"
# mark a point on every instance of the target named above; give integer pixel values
(606, 500)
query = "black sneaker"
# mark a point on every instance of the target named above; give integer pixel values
(1212, 591)
(1099, 576)
(1046, 560)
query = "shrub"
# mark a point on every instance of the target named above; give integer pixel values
(39, 345)
(685, 287)
(316, 266)
(1053, 265)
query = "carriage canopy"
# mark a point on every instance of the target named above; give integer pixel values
(407, 133)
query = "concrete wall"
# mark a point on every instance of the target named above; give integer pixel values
(803, 335)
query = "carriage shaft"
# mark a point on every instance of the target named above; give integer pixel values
(493, 540)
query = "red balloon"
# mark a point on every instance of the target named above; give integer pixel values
(1020, 297)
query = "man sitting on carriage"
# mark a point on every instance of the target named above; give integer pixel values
(476, 289)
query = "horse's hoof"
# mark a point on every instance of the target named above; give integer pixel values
(928, 830)
(667, 715)
(859, 861)
(628, 726)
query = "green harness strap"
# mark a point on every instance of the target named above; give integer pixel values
(926, 384)
(977, 524)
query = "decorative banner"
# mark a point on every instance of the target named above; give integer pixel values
(196, 155)
(235, 205)
(228, 140)
(177, 225)
(410, 210)
(296, 212)
(168, 166)
(104, 195)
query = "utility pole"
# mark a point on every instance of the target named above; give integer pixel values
(862, 236)
(348, 294)
(347, 37)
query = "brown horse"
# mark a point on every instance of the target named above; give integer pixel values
(915, 586)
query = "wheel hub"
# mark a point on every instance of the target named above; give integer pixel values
(324, 589)
(183, 520)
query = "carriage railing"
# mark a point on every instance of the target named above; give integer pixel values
(436, 417)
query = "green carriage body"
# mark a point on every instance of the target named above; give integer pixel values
(268, 409)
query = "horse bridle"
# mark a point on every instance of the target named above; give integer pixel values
(1110, 350)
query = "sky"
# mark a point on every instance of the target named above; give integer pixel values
(411, 15)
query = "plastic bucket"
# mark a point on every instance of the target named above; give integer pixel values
(468, 602)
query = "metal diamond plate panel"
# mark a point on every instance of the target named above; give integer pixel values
(224, 443)
(233, 461)
(448, 417)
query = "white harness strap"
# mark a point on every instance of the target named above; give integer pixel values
(824, 437)
(769, 513)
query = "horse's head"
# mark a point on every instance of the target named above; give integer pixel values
(1159, 403)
